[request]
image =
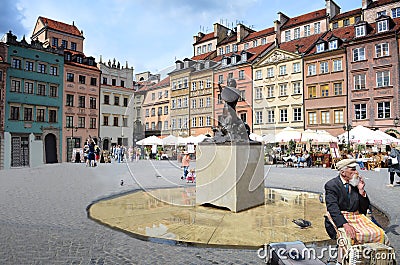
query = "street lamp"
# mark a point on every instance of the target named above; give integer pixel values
(348, 127)
(396, 121)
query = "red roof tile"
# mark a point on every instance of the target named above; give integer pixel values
(91, 67)
(60, 26)
(255, 52)
(316, 15)
(303, 44)
(232, 38)
(204, 56)
(162, 83)
(259, 34)
(381, 3)
(350, 13)
(206, 37)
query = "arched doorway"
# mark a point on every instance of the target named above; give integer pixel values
(106, 144)
(50, 145)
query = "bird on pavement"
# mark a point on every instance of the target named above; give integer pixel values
(302, 223)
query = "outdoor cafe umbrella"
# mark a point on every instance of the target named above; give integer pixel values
(151, 140)
(170, 140)
(364, 135)
(288, 134)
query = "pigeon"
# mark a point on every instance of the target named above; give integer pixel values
(302, 223)
(122, 182)
(321, 198)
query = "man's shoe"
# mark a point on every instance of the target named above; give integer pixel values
(390, 185)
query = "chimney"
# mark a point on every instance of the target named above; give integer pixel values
(366, 3)
(332, 9)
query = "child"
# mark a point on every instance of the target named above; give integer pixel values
(191, 176)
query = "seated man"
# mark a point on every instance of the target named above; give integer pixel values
(347, 203)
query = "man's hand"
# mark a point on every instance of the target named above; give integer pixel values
(361, 184)
(350, 231)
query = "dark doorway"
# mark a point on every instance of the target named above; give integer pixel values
(50, 145)
(106, 144)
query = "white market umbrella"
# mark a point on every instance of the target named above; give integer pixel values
(364, 135)
(151, 140)
(386, 138)
(288, 134)
(256, 137)
(170, 140)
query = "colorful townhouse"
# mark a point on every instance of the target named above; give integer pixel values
(33, 109)
(81, 93)
(4, 65)
(156, 107)
(116, 104)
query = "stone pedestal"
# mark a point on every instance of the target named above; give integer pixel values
(230, 175)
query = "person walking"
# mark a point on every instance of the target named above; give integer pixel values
(393, 163)
(185, 164)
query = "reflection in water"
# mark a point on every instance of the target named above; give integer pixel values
(172, 214)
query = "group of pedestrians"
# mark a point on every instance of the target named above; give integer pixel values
(91, 153)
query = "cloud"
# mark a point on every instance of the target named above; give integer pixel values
(11, 17)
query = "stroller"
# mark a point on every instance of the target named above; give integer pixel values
(191, 176)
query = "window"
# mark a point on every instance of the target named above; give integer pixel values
(185, 102)
(209, 48)
(15, 86)
(70, 77)
(220, 79)
(165, 110)
(221, 50)
(81, 101)
(312, 70)
(106, 99)
(359, 81)
(259, 117)
(338, 89)
(297, 114)
(271, 116)
(333, 45)
(82, 79)
(40, 115)
(283, 115)
(41, 68)
(113, 82)
(201, 103)
(208, 102)
(381, 13)
(325, 118)
(208, 121)
(173, 104)
(41, 90)
(312, 92)
(125, 122)
(125, 102)
(185, 82)
(384, 109)
(382, 79)
(153, 126)
(208, 83)
(312, 118)
(64, 44)
(147, 113)
(147, 126)
(69, 122)
(255, 43)
(337, 65)
(115, 121)
(358, 54)
(166, 94)
(282, 70)
(54, 42)
(92, 102)
(235, 47)
(29, 66)
(346, 22)
(165, 125)
(307, 31)
(297, 33)
(296, 67)
(360, 111)
(105, 120)
(258, 74)
(53, 70)
(324, 90)
(173, 125)
(335, 25)
(243, 116)
(16, 63)
(296, 88)
(258, 93)
(70, 100)
(201, 121)
(317, 27)
(228, 49)
(270, 91)
(338, 116)
(28, 88)
(263, 41)
(53, 91)
(104, 80)
(283, 90)
(287, 35)
(153, 112)
(28, 114)
(14, 114)
(81, 122)
(360, 31)
(324, 67)
(194, 122)
(396, 12)
(194, 84)
(159, 111)
(320, 47)
(198, 50)
(93, 81)
(52, 115)
(203, 48)
(357, 19)
(116, 100)
(382, 49)
(92, 123)
(270, 72)
(241, 74)
(246, 46)
(73, 46)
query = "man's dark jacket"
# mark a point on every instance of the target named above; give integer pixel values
(336, 198)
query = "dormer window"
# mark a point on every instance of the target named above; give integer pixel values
(246, 46)
(235, 49)
(320, 47)
(381, 13)
(333, 45)
(228, 49)
(234, 59)
(360, 31)
(244, 57)
(382, 25)
(79, 59)
(224, 61)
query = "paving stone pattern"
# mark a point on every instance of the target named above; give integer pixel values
(43, 218)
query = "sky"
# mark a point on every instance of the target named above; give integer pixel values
(150, 34)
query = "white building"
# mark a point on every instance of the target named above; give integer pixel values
(116, 92)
